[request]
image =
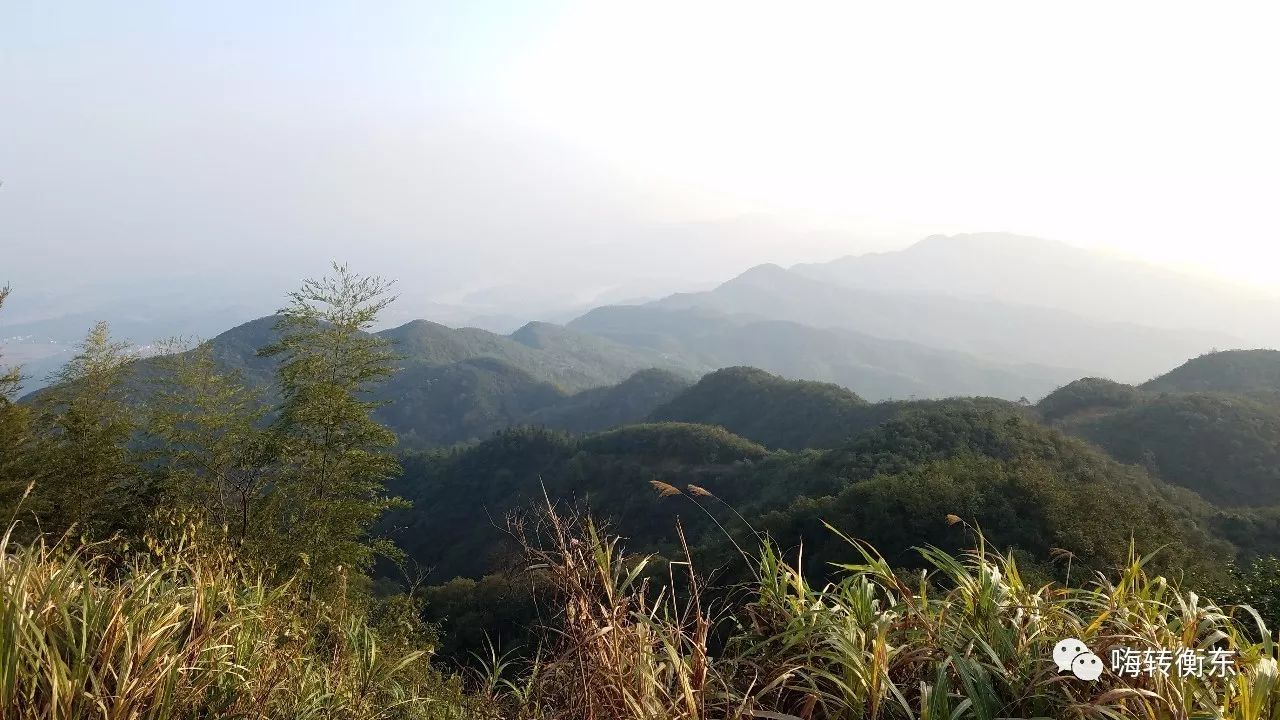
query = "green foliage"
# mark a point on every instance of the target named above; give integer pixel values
(86, 475)
(471, 614)
(1212, 425)
(970, 636)
(1024, 504)
(10, 377)
(205, 441)
(15, 436)
(1233, 371)
(786, 414)
(1087, 394)
(1257, 584)
(630, 401)
(1037, 492)
(189, 628)
(1224, 447)
(675, 442)
(180, 631)
(973, 636)
(334, 455)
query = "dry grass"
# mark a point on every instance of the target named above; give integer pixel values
(619, 648)
(179, 632)
(969, 638)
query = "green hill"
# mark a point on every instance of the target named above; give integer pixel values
(785, 414)
(570, 360)
(1233, 371)
(872, 367)
(794, 414)
(895, 483)
(1088, 395)
(1211, 425)
(462, 385)
(464, 401)
(1224, 447)
(630, 401)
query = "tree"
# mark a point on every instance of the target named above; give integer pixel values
(15, 436)
(205, 438)
(87, 474)
(10, 377)
(334, 456)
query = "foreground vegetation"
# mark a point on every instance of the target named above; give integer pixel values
(177, 631)
(182, 543)
(968, 637)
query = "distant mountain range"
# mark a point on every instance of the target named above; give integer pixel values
(873, 367)
(1041, 273)
(459, 385)
(1000, 331)
(975, 315)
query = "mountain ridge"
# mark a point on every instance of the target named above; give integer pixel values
(1052, 274)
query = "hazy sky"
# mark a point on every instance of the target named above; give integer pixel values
(461, 145)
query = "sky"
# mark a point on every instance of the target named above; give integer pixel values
(597, 145)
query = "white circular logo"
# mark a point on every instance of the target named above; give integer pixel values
(1087, 666)
(1066, 651)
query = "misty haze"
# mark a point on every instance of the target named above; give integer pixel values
(622, 361)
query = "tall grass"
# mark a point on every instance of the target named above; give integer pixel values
(180, 632)
(970, 637)
(619, 648)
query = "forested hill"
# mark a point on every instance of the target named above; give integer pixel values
(893, 484)
(794, 414)
(785, 414)
(789, 457)
(583, 421)
(462, 385)
(1234, 371)
(1211, 425)
(873, 367)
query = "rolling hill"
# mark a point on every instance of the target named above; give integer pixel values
(1211, 425)
(1236, 371)
(892, 483)
(1000, 331)
(874, 368)
(630, 401)
(462, 385)
(778, 413)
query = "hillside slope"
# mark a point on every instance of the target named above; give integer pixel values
(1234, 371)
(872, 367)
(892, 484)
(779, 413)
(985, 327)
(1211, 425)
(630, 401)
(462, 385)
